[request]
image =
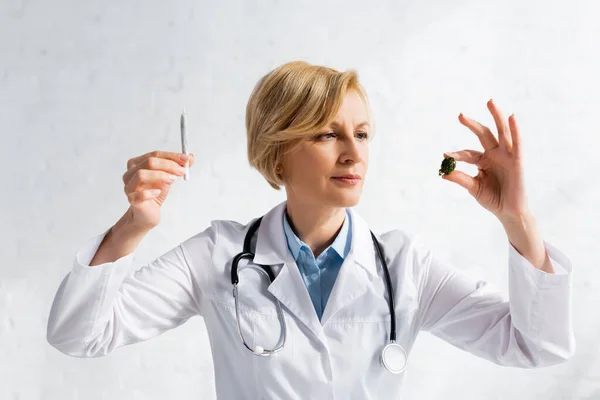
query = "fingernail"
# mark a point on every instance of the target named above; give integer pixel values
(184, 157)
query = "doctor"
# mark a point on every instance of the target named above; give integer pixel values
(327, 311)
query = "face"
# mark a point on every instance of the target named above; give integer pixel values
(329, 168)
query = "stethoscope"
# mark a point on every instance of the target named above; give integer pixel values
(393, 356)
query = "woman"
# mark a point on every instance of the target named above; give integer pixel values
(308, 130)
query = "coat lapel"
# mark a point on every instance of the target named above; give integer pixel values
(288, 286)
(353, 280)
(356, 272)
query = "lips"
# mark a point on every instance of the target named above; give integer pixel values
(348, 176)
(348, 179)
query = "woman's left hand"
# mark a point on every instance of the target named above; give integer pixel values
(499, 184)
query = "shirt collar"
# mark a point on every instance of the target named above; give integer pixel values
(341, 244)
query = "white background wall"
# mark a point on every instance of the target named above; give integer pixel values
(84, 86)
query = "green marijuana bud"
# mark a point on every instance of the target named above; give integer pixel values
(448, 166)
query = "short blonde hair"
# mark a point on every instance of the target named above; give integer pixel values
(290, 103)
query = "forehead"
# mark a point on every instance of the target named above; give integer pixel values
(353, 110)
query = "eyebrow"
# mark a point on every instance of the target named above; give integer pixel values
(360, 125)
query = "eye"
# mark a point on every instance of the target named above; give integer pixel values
(365, 135)
(326, 135)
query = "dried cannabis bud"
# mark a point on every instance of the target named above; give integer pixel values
(448, 166)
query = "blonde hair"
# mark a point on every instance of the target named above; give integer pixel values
(290, 103)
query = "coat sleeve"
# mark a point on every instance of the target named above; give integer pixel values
(101, 308)
(531, 327)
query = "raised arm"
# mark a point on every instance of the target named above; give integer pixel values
(103, 303)
(100, 308)
(531, 327)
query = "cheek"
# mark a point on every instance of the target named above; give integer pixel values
(365, 156)
(313, 170)
(310, 168)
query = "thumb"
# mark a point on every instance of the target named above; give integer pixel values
(162, 197)
(461, 179)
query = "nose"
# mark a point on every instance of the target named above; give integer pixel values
(350, 152)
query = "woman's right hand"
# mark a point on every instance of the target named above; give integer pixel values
(148, 180)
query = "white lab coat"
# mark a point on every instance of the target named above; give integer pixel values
(98, 309)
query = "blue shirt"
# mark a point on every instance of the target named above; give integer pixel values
(319, 275)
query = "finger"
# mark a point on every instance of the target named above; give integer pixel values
(464, 180)
(139, 197)
(486, 137)
(155, 163)
(515, 135)
(168, 155)
(148, 179)
(504, 139)
(191, 160)
(469, 156)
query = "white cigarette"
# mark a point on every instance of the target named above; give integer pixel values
(184, 144)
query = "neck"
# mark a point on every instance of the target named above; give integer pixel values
(317, 226)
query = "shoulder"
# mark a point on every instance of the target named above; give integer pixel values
(208, 251)
(398, 241)
(405, 248)
(399, 245)
(217, 232)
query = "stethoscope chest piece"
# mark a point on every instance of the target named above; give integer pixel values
(394, 358)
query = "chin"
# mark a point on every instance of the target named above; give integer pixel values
(347, 199)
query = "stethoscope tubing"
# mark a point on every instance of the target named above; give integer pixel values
(266, 269)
